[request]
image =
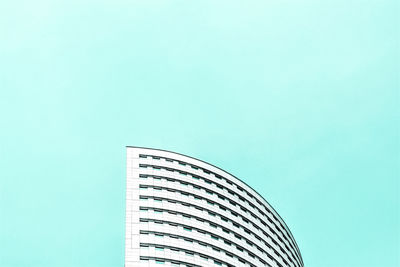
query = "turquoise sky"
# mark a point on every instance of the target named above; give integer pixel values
(300, 99)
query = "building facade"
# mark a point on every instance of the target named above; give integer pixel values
(181, 211)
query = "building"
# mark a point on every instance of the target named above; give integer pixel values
(181, 211)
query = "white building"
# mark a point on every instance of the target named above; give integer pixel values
(181, 211)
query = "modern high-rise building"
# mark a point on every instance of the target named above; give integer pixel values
(181, 211)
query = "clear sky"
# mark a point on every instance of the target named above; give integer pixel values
(300, 99)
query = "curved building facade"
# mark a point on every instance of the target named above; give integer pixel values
(181, 211)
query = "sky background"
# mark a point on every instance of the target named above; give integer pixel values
(299, 99)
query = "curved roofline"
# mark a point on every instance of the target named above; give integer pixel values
(169, 151)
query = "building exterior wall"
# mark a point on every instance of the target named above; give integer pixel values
(181, 211)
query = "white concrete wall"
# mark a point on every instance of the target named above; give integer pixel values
(221, 217)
